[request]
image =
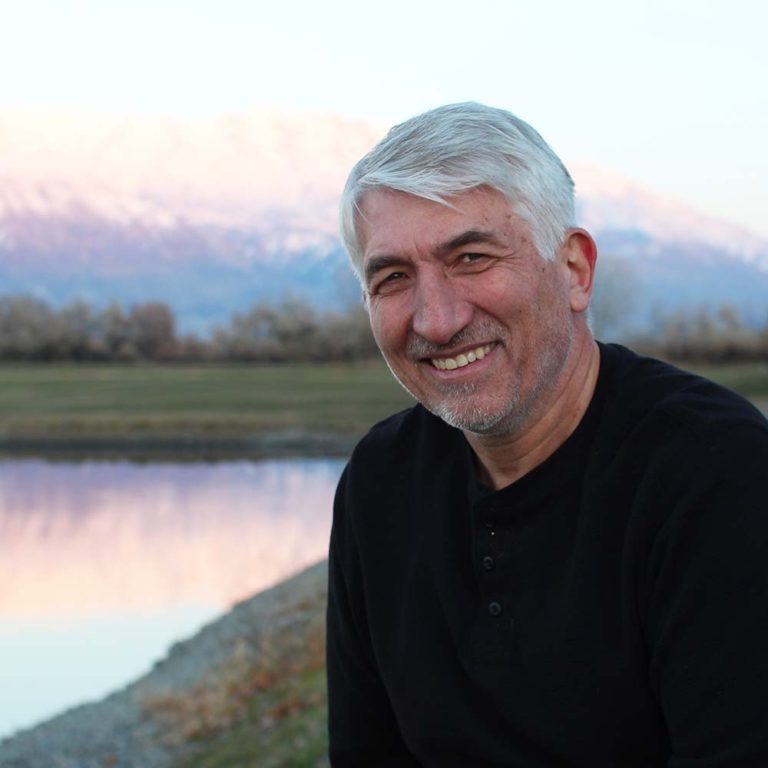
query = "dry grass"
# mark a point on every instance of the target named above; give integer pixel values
(264, 706)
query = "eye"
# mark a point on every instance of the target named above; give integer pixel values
(388, 282)
(473, 261)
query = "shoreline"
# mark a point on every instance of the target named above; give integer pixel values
(272, 444)
(277, 443)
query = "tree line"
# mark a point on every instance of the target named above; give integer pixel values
(294, 331)
(718, 336)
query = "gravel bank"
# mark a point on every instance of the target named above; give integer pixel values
(132, 728)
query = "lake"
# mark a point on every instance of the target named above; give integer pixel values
(106, 564)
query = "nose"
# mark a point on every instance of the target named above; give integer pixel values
(440, 310)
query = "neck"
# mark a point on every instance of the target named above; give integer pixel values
(506, 457)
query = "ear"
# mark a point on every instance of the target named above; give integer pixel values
(579, 256)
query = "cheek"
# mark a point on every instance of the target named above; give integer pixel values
(506, 302)
(387, 326)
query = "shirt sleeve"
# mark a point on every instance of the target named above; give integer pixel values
(707, 606)
(362, 726)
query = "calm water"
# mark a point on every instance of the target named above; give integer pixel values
(105, 564)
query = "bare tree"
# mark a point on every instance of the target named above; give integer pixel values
(116, 333)
(76, 334)
(153, 330)
(25, 328)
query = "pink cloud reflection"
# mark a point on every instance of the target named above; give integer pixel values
(101, 538)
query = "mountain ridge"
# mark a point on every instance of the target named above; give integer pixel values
(212, 215)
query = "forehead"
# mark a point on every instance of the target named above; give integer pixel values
(390, 222)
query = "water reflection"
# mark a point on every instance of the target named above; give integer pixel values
(106, 564)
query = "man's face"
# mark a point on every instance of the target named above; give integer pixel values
(471, 320)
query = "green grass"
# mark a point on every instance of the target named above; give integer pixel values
(748, 379)
(199, 402)
(168, 401)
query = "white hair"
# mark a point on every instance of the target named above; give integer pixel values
(459, 147)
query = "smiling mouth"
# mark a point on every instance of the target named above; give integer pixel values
(460, 361)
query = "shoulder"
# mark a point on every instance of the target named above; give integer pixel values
(645, 396)
(398, 443)
(681, 462)
(386, 473)
(673, 448)
(380, 489)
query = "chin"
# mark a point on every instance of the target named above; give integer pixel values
(459, 406)
(479, 420)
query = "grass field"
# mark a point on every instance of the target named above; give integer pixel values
(748, 379)
(193, 401)
(60, 402)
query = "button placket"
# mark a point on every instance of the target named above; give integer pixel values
(491, 549)
(491, 634)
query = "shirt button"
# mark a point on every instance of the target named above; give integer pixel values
(494, 608)
(488, 563)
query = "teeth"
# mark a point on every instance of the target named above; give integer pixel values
(451, 363)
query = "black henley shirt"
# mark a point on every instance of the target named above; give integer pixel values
(610, 608)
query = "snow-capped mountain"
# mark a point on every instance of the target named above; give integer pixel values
(211, 215)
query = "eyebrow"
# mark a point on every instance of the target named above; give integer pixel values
(377, 263)
(470, 237)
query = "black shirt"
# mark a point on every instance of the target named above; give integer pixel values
(610, 608)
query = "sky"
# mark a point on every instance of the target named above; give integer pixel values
(671, 94)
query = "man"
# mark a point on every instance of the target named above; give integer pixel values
(559, 556)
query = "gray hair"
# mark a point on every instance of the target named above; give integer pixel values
(459, 147)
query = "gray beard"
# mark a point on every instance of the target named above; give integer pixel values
(471, 419)
(453, 410)
(456, 407)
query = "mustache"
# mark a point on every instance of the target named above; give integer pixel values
(476, 335)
